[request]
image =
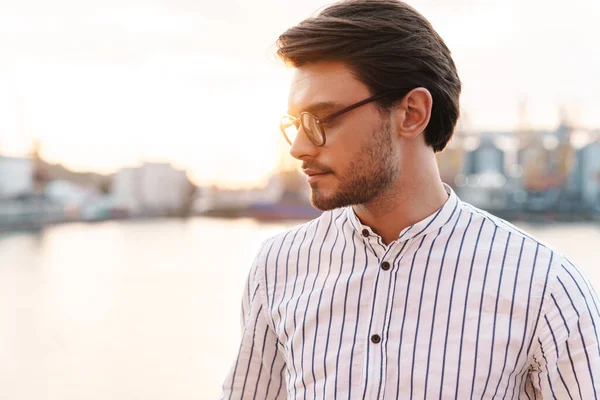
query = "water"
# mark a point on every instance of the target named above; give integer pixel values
(145, 310)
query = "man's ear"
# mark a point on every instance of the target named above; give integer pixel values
(413, 113)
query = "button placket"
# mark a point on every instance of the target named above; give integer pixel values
(377, 355)
(387, 318)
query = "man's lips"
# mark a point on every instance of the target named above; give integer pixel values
(313, 172)
(314, 175)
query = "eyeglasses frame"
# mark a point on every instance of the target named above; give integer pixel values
(320, 121)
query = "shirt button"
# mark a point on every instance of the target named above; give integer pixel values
(365, 232)
(375, 339)
(385, 265)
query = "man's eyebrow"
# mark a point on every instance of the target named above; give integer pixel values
(318, 108)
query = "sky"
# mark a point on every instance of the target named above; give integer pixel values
(106, 84)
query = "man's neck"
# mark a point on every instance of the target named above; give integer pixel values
(402, 206)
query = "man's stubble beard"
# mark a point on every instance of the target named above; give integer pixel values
(366, 178)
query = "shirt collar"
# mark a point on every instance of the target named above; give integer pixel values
(432, 223)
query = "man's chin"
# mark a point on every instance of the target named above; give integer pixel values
(325, 203)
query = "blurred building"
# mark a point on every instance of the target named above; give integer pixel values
(488, 157)
(16, 177)
(152, 188)
(483, 179)
(125, 188)
(589, 161)
(22, 205)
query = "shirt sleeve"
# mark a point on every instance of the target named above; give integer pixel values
(567, 355)
(258, 370)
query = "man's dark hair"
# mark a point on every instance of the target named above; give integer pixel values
(389, 46)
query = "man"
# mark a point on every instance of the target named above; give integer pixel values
(400, 290)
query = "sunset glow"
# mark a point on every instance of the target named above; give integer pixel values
(110, 84)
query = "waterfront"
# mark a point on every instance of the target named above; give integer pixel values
(145, 309)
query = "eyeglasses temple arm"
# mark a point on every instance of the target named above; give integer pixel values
(352, 107)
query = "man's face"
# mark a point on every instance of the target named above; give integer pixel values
(358, 161)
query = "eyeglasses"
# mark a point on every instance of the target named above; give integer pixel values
(313, 126)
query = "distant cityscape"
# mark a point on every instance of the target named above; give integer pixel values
(527, 174)
(34, 194)
(522, 174)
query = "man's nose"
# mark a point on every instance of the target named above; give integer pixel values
(302, 146)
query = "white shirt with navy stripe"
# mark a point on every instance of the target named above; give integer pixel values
(463, 305)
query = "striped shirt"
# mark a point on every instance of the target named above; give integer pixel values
(462, 305)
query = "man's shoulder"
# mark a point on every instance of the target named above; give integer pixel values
(521, 238)
(557, 274)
